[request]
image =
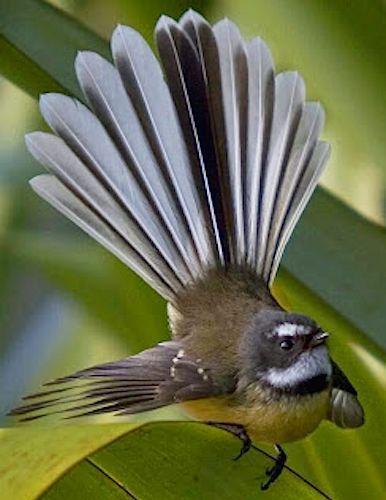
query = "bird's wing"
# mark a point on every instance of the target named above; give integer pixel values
(345, 409)
(156, 377)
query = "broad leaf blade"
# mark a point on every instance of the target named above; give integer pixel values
(154, 461)
(24, 72)
(49, 39)
(32, 458)
(340, 256)
(86, 480)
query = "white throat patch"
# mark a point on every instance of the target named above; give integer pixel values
(308, 365)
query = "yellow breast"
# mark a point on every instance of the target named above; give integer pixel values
(276, 421)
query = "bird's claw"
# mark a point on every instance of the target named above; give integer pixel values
(244, 449)
(274, 472)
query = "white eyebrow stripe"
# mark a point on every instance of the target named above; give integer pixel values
(290, 330)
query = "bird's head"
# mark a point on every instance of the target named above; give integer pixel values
(286, 351)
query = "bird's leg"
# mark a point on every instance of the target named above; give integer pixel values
(274, 472)
(238, 431)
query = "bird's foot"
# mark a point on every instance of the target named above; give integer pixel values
(238, 431)
(274, 472)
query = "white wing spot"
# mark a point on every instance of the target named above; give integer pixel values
(180, 354)
(200, 371)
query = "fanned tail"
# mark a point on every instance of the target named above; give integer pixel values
(211, 166)
(264, 136)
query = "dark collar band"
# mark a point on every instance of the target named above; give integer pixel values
(306, 388)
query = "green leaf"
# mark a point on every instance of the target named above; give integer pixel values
(339, 255)
(154, 461)
(46, 453)
(38, 45)
(22, 71)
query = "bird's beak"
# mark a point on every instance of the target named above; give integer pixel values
(318, 338)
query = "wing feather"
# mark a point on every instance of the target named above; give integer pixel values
(345, 409)
(157, 377)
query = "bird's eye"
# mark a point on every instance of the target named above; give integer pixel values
(287, 344)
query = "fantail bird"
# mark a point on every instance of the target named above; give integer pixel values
(195, 178)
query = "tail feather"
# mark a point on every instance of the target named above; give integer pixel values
(86, 137)
(145, 85)
(63, 163)
(305, 140)
(212, 167)
(289, 96)
(204, 40)
(71, 205)
(268, 146)
(232, 111)
(106, 94)
(303, 192)
(260, 104)
(188, 88)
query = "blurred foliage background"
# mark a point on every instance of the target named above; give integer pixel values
(65, 303)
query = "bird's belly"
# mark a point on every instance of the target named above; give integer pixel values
(286, 419)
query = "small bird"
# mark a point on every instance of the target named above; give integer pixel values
(194, 171)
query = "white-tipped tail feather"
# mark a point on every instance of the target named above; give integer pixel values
(211, 166)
